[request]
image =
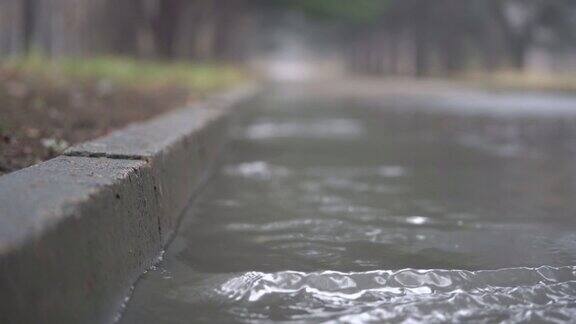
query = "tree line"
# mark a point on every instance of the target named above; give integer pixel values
(167, 29)
(423, 37)
(409, 37)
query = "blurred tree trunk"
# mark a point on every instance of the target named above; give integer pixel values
(453, 34)
(28, 20)
(12, 24)
(519, 36)
(421, 38)
(166, 26)
(396, 37)
(227, 20)
(491, 43)
(518, 52)
(234, 30)
(205, 36)
(195, 31)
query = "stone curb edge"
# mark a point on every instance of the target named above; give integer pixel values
(77, 231)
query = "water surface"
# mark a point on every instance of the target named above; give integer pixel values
(394, 210)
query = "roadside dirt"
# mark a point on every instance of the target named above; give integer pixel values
(40, 118)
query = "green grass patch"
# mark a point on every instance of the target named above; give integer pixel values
(130, 72)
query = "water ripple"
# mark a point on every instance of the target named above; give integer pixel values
(512, 294)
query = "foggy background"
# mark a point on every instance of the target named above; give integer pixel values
(376, 37)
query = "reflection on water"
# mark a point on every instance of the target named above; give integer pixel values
(355, 212)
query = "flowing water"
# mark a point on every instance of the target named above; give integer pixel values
(394, 210)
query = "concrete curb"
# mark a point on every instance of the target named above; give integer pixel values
(78, 230)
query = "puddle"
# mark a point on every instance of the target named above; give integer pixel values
(339, 211)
